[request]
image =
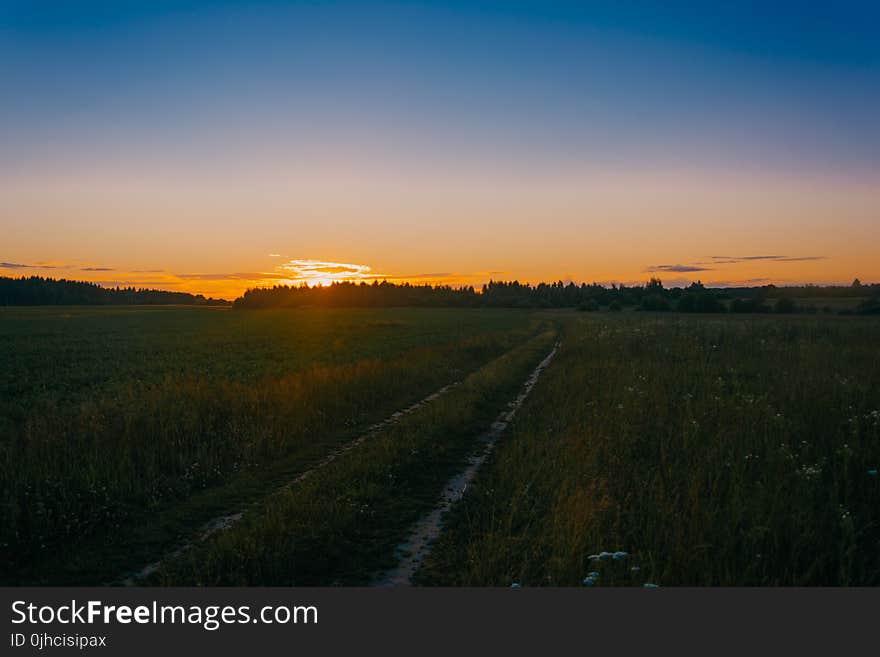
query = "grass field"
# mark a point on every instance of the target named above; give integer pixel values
(123, 429)
(738, 450)
(713, 451)
(341, 526)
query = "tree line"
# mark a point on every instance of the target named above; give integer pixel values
(652, 296)
(39, 291)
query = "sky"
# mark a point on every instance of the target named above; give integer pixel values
(214, 146)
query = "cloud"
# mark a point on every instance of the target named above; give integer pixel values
(338, 269)
(164, 284)
(749, 282)
(18, 265)
(727, 260)
(274, 255)
(97, 269)
(323, 272)
(237, 276)
(719, 260)
(677, 268)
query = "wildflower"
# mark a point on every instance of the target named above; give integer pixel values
(589, 581)
(593, 574)
(605, 555)
(635, 569)
(515, 586)
(648, 585)
(873, 472)
(593, 557)
(619, 555)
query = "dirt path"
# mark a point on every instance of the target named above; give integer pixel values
(416, 547)
(223, 523)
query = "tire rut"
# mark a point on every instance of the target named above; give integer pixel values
(223, 523)
(412, 552)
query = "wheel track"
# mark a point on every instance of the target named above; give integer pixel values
(412, 552)
(224, 522)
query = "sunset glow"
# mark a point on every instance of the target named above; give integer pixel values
(222, 147)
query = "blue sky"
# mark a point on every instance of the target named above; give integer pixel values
(605, 80)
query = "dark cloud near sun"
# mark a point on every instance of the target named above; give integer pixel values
(238, 276)
(677, 268)
(336, 269)
(97, 269)
(137, 283)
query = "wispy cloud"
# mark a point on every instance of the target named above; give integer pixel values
(237, 276)
(727, 260)
(160, 284)
(18, 265)
(339, 269)
(721, 261)
(677, 268)
(749, 282)
(51, 264)
(322, 271)
(445, 274)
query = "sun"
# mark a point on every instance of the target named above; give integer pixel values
(324, 273)
(323, 282)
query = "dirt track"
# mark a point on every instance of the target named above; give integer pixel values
(416, 547)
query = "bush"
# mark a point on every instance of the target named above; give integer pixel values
(655, 303)
(701, 302)
(785, 305)
(869, 307)
(748, 306)
(589, 306)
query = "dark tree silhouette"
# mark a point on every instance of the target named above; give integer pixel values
(38, 291)
(696, 298)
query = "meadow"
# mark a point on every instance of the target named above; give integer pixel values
(123, 429)
(703, 450)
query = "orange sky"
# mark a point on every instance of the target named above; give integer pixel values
(220, 232)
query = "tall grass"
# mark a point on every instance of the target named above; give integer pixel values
(341, 525)
(730, 451)
(95, 466)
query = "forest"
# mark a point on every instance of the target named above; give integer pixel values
(39, 291)
(858, 298)
(653, 296)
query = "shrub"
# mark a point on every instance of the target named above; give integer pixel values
(655, 303)
(785, 305)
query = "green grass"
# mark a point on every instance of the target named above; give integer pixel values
(341, 525)
(123, 429)
(57, 356)
(715, 451)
